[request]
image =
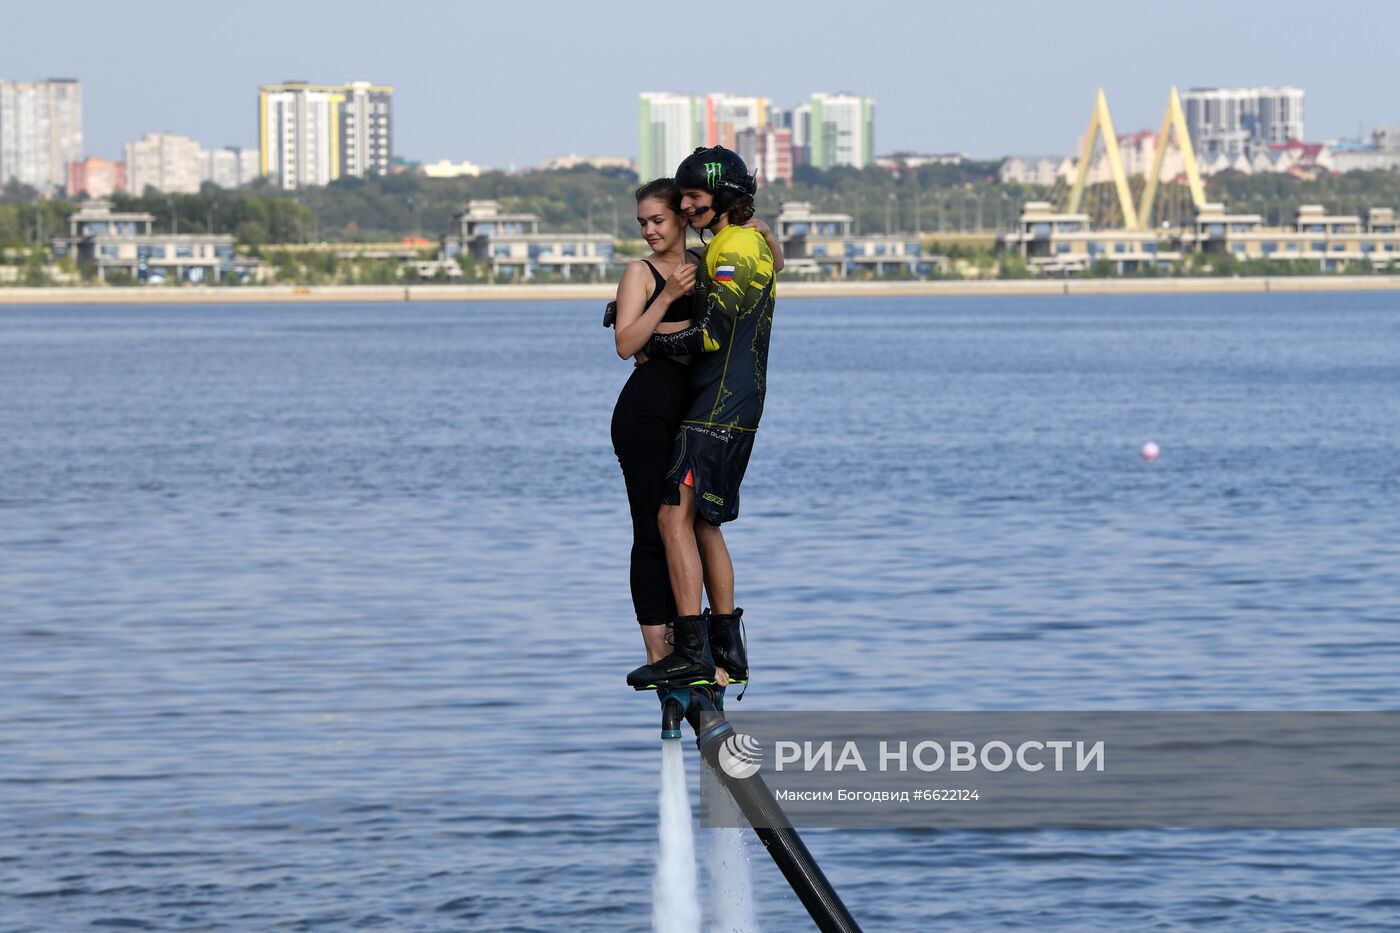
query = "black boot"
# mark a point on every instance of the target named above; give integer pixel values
(690, 664)
(727, 643)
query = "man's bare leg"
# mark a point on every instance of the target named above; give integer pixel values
(678, 531)
(677, 524)
(719, 569)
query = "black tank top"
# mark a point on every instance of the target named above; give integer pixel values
(681, 309)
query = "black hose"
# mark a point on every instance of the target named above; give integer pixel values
(771, 825)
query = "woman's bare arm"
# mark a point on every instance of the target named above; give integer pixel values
(635, 326)
(773, 245)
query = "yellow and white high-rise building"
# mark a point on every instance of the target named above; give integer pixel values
(313, 134)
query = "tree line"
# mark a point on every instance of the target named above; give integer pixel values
(931, 200)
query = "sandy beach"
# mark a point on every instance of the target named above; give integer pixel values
(165, 294)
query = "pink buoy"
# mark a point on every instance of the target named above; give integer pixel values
(1150, 451)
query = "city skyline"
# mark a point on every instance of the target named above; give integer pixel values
(571, 85)
(823, 131)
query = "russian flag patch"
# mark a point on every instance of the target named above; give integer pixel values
(724, 274)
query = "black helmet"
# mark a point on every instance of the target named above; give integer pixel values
(716, 170)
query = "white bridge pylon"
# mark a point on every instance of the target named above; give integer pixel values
(1101, 123)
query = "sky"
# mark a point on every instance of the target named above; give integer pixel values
(508, 82)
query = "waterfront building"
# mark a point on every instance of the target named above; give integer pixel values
(1332, 241)
(166, 162)
(767, 152)
(813, 243)
(1237, 121)
(126, 242)
(669, 127)
(512, 247)
(313, 134)
(1062, 243)
(1051, 242)
(41, 131)
(96, 178)
(835, 129)
(823, 245)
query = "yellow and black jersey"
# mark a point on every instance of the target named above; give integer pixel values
(730, 338)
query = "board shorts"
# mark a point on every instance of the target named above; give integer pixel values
(712, 461)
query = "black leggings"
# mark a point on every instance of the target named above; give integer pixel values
(644, 425)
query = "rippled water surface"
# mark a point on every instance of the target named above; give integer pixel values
(316, 616)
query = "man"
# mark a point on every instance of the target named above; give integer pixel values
(729, 375)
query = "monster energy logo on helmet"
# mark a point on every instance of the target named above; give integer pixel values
(715, 169)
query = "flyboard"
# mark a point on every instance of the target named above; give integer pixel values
(703, 708)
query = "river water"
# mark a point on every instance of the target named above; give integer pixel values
(316, 616)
